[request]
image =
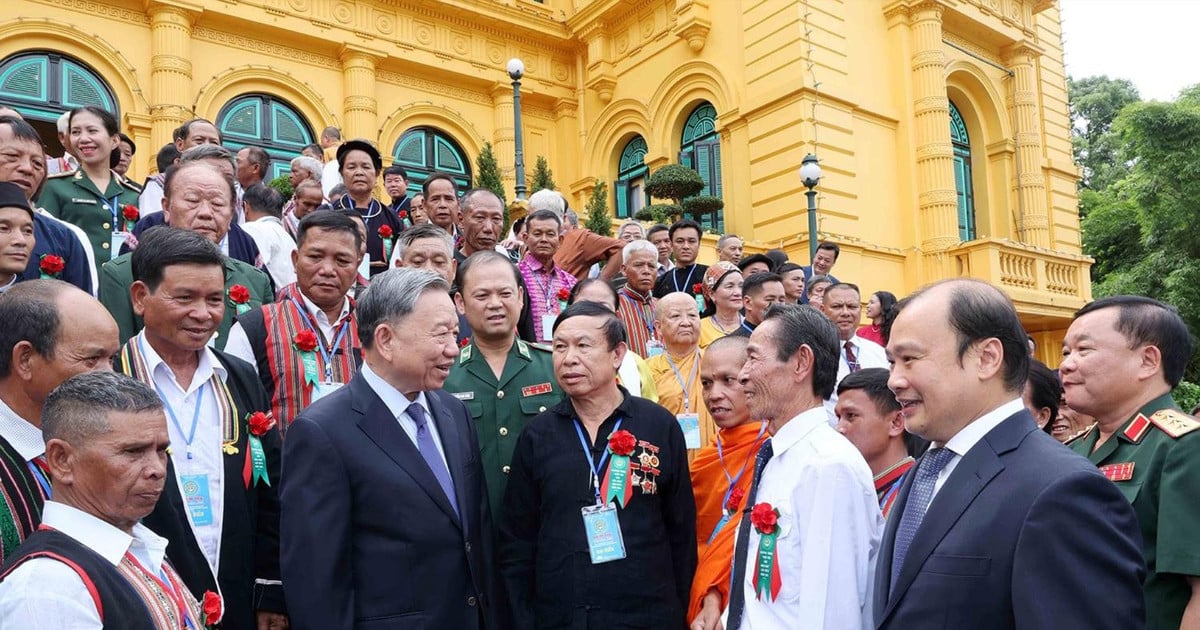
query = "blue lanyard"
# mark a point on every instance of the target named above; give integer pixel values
(326, 353)
(171, 412)
(686, 283)
(112, 207)
(547, 288)
(687, 389)
(637, 308)
(373, 208)
(747, 326)
(587, 452)
(725, 513)
(40, 477)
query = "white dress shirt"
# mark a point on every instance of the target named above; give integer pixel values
(869, 355)
(150, 201)
(207, 456)
(829, 530)
(275, 246)
(23, 436)
(398, 403)
(45, 594)
(969, 436)
(330, 177)
(238, 344)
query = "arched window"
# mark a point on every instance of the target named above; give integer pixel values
(267, 122)
(43, 85)
(700, 149)
(423, 151)
(962, 175)
(630, 187)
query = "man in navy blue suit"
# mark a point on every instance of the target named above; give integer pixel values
(386, 524)
(998, 526)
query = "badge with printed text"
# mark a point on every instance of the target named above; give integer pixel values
(603, 528)
(196, 496)
(548, 325)
(690, 423)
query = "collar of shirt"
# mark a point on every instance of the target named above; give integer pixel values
(536, 265)
(101, 537)
(664, 267)
(638, 297)
(162, 372)
(320, 316)
(22, 435)
(397, 403)
(269, 219)
(798, 427)
(225, 244)
(970, 435)
(16, 276)
(567, 410)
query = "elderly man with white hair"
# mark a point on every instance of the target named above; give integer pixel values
(636, 302)
(581, 248)
(67, 162)
(304, 169)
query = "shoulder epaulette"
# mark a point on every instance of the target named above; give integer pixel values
(1081, 434)
(1174, 423)
(129, 183)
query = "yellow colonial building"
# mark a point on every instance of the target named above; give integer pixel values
(941, 125)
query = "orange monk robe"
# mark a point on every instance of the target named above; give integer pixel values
(671, 395)
(739, 446)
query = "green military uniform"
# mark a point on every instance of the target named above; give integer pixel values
(1155, 460)
(501, 408)
(73, 198)
(116, 276)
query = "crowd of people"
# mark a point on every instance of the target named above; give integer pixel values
(224, 408)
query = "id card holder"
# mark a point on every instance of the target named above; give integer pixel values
(548, 325)
(690, 423)
(324, 388)
(605, 543)
(654, 348)
(197, 499)
(117, 239)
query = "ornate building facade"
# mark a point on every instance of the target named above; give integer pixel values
(941, 125)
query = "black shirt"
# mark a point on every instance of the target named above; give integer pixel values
(544, 552)
(680, 279)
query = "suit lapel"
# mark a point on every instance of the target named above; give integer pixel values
(384, 430)
(448, 431)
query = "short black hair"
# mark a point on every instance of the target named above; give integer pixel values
(185, 129)
(29, 313)
(544, 215)
(483, 257)
(873, 381)
(258, 157)
(1045, 390)
(814, 280)
(746, 261)
(333, 221)
(111, 126)
(656, 228)
(396, 169)
(755, 281)
(127, 140)
(844, 285)
(162, 246)
(685, 224)
(778, 258)
(1145, 321)
(166, 157)
(312, 147)
(788, 267)
(614, 330)
(433, 177)
(21, 129)
(803, 326)
(978, 311)
(832, 247)
(262, 198)
(587, 282)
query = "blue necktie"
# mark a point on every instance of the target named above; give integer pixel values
(918, 502)
(429, 452)
(737, 590)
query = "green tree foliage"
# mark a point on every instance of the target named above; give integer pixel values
(665, 213)
(487, 172)
(543, 177)
(283, 185)
(1095, 104)
(674, 182)
(598, 220)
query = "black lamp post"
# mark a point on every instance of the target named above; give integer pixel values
(810, 176)
(516, 70)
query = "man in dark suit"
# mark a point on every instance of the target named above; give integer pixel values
(386, 523)
(997, 526)
(219, 510)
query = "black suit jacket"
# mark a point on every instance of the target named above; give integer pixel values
(369, 539)
(249, 557)
(1019, 530)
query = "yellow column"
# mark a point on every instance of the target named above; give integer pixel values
(359, 105)
(1031, 184)
(504, 143)
(936, 198)
(170, 71)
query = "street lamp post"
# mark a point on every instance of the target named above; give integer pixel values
(516, 70)
(810, 176)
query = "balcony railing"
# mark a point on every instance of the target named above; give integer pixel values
(1037, 279)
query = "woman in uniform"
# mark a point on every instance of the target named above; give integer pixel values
(94, 196)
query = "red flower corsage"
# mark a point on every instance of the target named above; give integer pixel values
(622, 443)
(735, 500)
(51, 265)
(260, 423)
(403, 214)
(464, 342)
(385, 231)
(305, 340)
(764, 518)
(698, 287)
(239, 294)
(212, 608)
(130, 213)
(564, 294)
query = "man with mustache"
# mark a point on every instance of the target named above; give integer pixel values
(220, 510)
(92, 564)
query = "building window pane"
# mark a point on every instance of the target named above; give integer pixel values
(700, 149)
(266, 122)
(631, 175)
(423, 151)
(962, 175)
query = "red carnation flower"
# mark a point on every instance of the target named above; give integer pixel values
(305, 340)
(698, 287)
(622, 442)
(735, 499)
(130, 212)
(564, 294)
(764, 517)
(464, 342)
(385, 231)
(239, 294)
(403, 214)
(260, 423)
(212, 608)
(51, 265)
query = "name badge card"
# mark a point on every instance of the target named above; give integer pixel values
(548, 325)
(605, 543)
(654, 348)
(690, 423)
(324, 388)
(114, 245)
(199, 503)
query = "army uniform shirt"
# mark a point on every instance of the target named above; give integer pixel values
(73, 198)
(501, 408)
(1155, 460)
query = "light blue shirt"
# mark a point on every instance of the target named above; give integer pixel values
(397, 403)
